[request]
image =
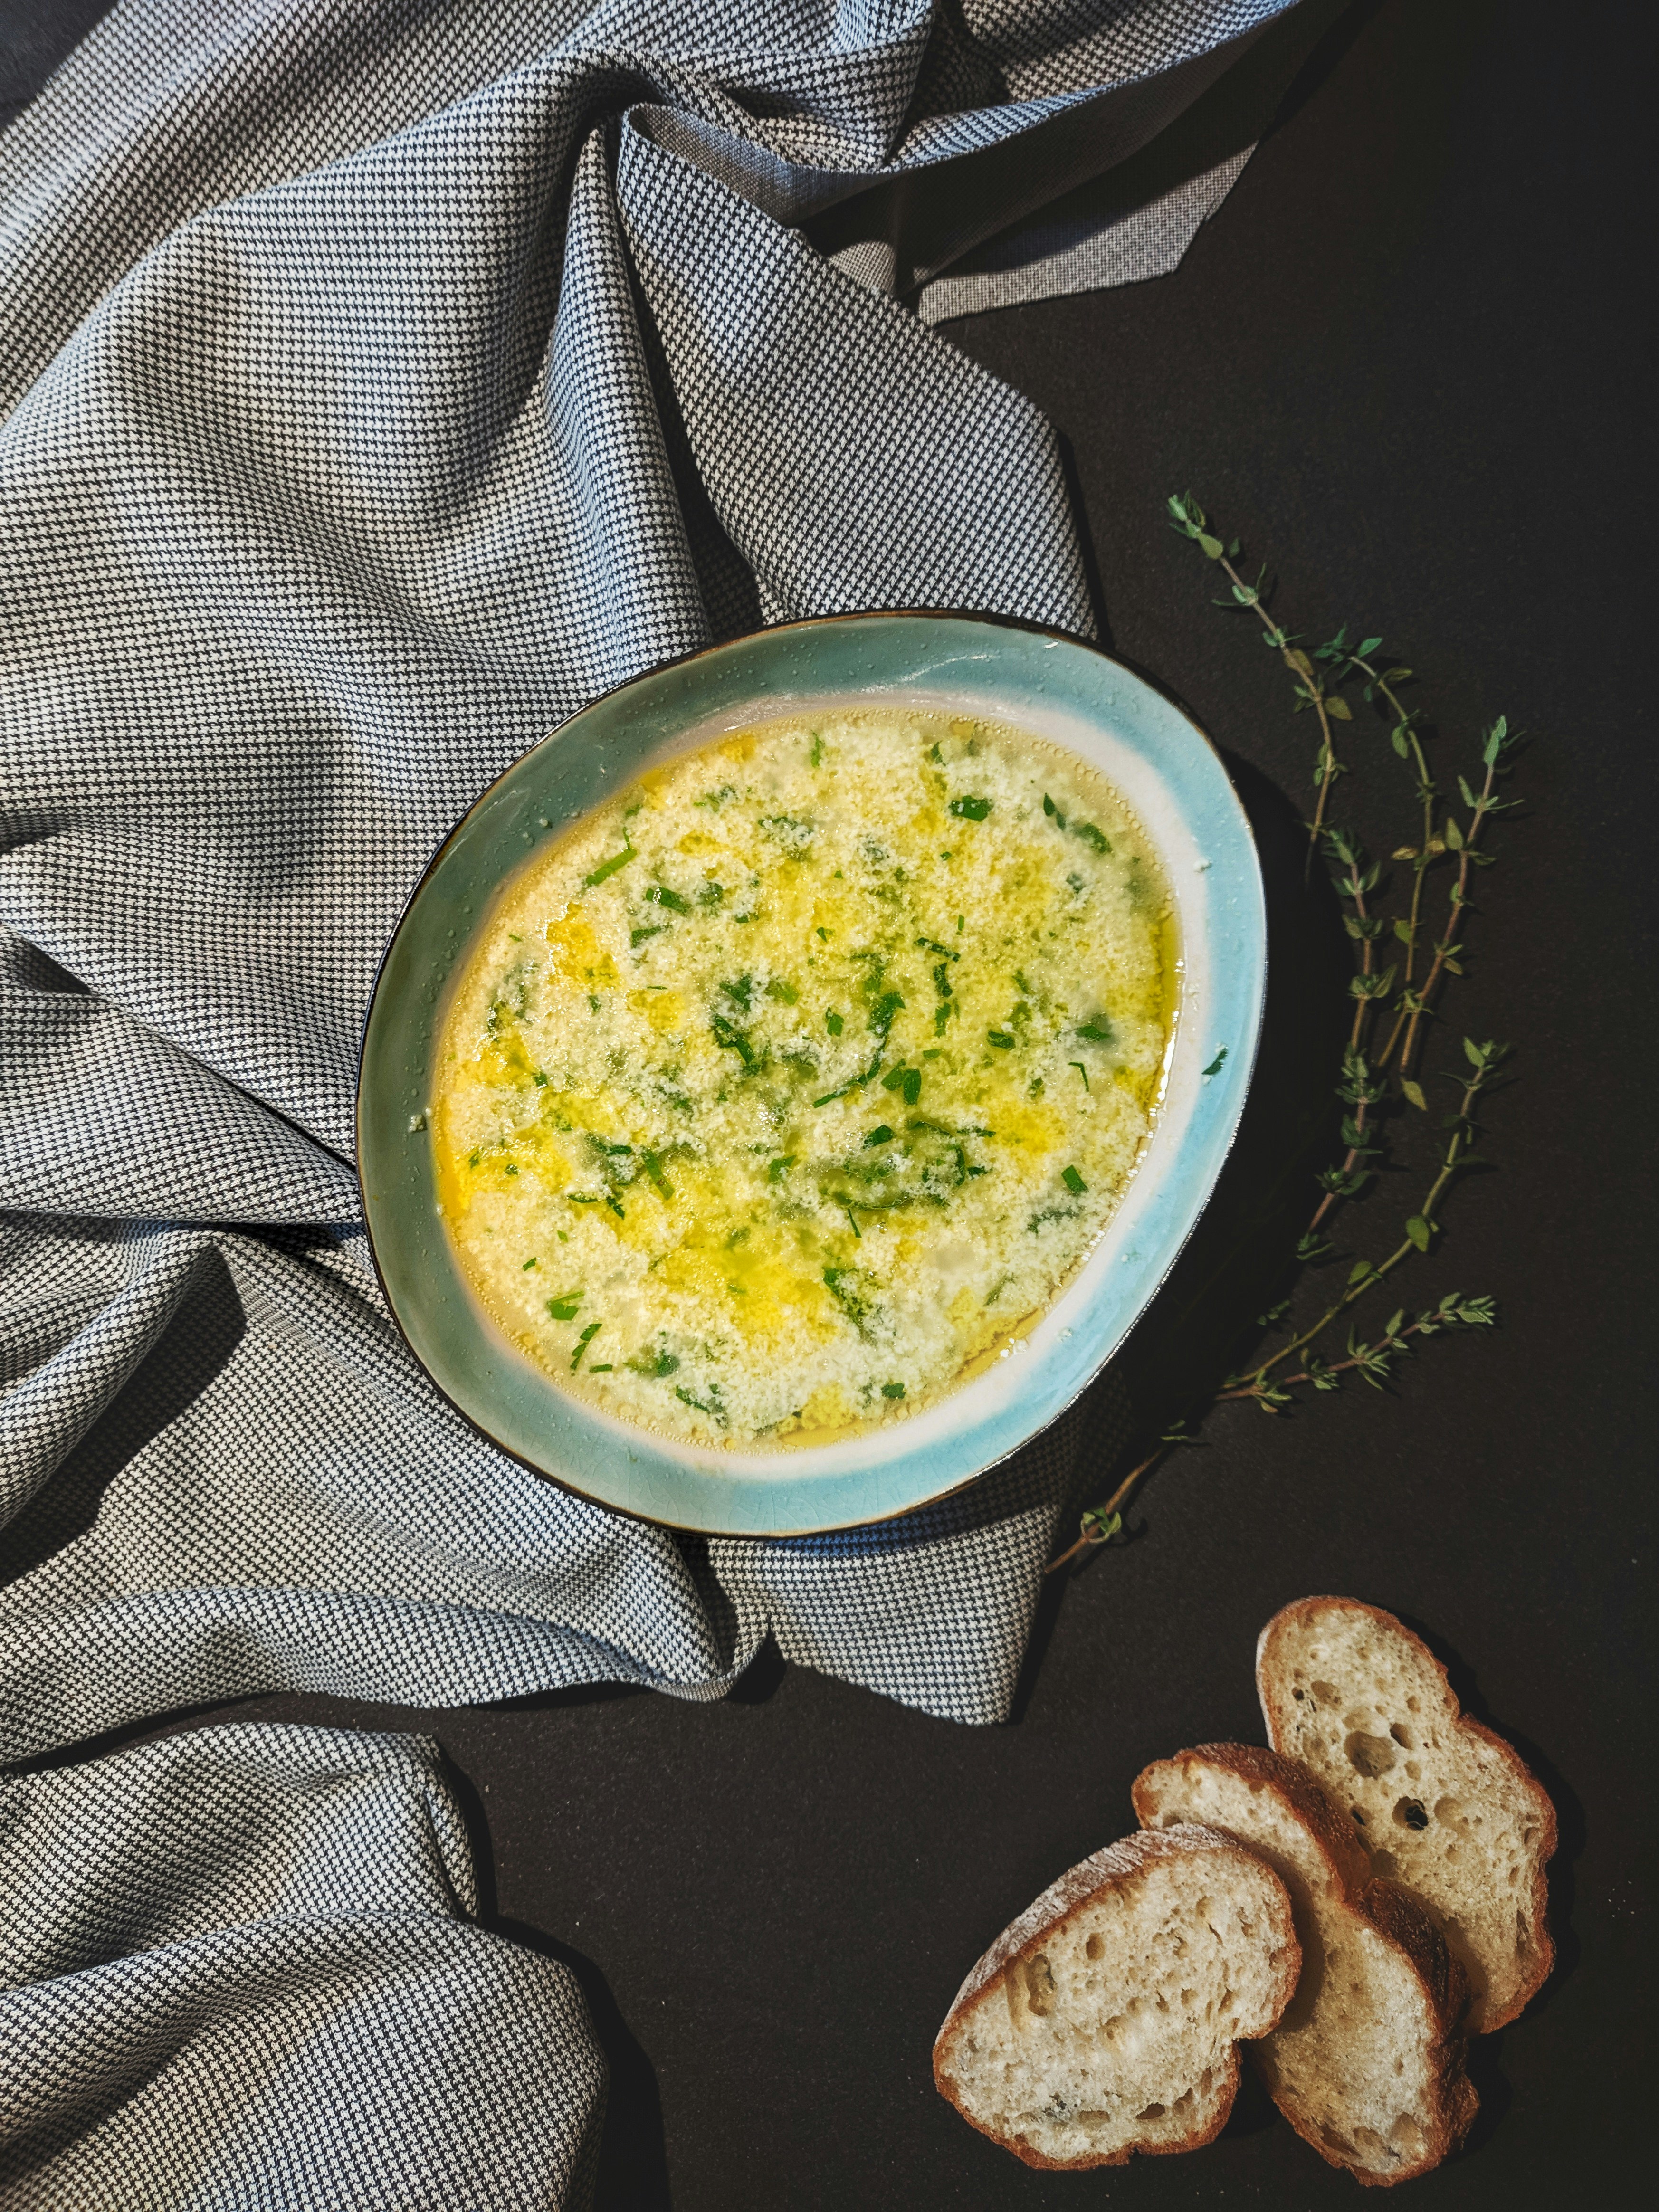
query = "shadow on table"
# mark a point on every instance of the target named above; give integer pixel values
(1238, 1254)
(1238, 1257)
(633, 2162)
(1485, 2052)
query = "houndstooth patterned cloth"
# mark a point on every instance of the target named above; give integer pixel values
(239, 1969)
(381, 380)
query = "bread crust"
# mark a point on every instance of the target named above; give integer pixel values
(1271, 1694)
(1350, 1862)
(1114, 1867)
(1391, 1910)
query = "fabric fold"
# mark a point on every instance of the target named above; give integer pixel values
(241, 1967)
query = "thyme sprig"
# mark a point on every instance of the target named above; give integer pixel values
(1418, 1235)
(1188, 517)
(1392, 998)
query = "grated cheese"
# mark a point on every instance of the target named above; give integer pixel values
(788, 1087)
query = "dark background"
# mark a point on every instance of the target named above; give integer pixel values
(1404, 364)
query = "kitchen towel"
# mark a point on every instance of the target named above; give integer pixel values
(240, 1968)
(382, 380)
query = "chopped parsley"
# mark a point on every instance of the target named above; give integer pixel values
(730, 1039)
(608, 868)
(582, 1343)
(657, 1364)
(1086, 831)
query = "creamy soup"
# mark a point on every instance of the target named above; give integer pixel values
(788, 1088)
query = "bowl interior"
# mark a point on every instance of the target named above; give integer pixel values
(1051, 686)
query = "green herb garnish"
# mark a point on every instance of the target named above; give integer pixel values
(730, 1039)
(582, 1343)
(608, 868)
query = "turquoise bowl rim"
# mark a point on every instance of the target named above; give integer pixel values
(1006, 670)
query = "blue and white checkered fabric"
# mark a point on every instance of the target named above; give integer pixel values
(379, 380)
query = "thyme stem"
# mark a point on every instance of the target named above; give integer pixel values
(1366, 1277)
(1416, 1004)
(1087, 1542)
(1426, 791)
(1370, 1079)
(1302, 669)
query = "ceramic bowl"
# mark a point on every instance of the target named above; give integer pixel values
(1050, 686)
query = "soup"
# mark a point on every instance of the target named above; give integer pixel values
(787, 1089)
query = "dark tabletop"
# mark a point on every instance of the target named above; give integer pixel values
(1404, 365)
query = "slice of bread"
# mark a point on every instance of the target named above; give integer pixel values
(1104, 2020)
(1367, 2062)
(1438, 1800)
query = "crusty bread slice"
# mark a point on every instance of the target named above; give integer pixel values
(1367, 2063)
(1440, 1801)
(1104, 2020)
